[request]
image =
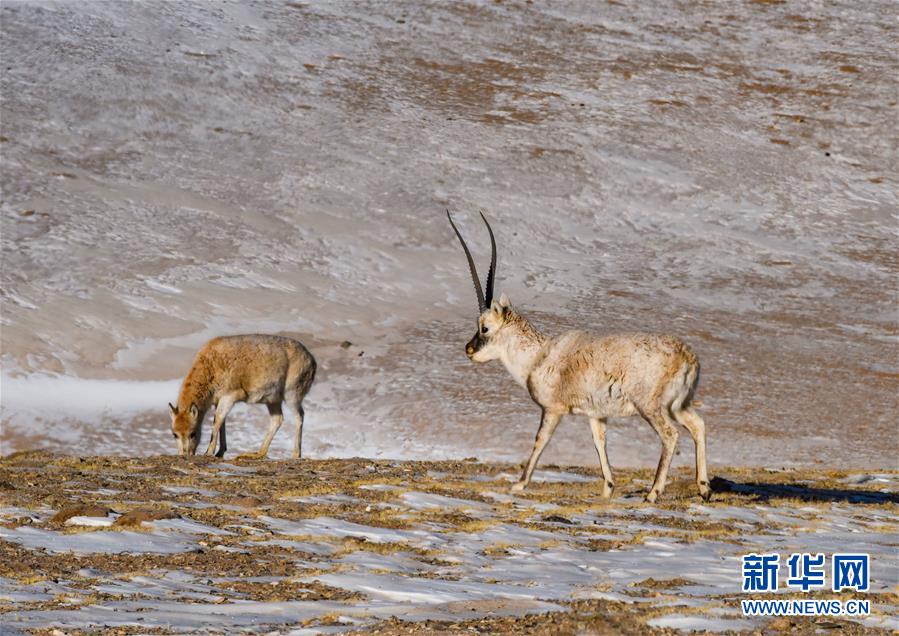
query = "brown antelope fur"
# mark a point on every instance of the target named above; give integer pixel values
(251, 368)
(653, 376)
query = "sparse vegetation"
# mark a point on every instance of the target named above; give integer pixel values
(234, 553)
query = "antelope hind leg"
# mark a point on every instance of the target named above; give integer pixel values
(276, 419)
(667, 433)
(298, 439)
(691, 421)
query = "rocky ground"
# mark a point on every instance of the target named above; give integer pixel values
(173, 545)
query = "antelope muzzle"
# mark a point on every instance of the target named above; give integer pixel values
(474, 345)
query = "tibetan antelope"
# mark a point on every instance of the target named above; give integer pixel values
(597, 376)
(253, 369)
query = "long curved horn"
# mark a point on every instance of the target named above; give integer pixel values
(488, 297)
(474, 272)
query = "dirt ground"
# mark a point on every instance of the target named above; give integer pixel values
(227, 509)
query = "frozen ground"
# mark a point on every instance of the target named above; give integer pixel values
(726, 172)
(340, 545)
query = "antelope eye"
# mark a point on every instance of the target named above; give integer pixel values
(175, 435)
(193, 435)
(484, 329)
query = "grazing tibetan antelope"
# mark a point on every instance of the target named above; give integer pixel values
(597, 376)
(253, 369)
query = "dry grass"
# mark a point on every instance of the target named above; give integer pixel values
(80, 486)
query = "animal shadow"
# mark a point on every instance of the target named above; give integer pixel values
(765, 492)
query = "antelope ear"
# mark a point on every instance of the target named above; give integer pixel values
(174, 409)
(501, 307)
(194, 411)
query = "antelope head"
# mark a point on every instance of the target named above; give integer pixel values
(488, 342)
(186, 428)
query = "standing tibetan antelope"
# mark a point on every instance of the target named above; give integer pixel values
(254, 369)
(600, 377)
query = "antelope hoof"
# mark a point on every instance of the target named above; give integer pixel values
(704, 491)
(651, 496)
(221, 453)
(607, 489)
(518, 486)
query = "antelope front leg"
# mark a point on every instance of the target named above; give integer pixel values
(213, 436)
(221, 413)
(598, 428)
(547, 427)
(223, 444)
